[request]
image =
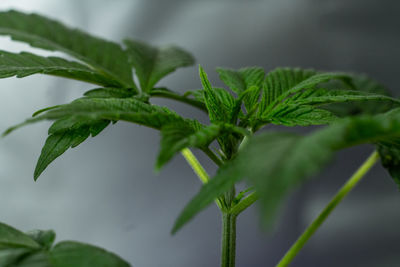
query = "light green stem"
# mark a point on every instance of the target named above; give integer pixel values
(199, 170)
(244, 203)
(346, 188)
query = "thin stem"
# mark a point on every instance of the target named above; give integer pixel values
(244, 203)
(213, 157)
(199, 170)
(228, 240)
(177, 97)
(346, 188)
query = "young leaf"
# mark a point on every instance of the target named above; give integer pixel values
(106, 57)
(243, 79)
(25, 64)
(153, 63)
(220, 103)
(240, 80)
(277, 162)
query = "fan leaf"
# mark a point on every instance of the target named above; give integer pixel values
(25, 64)
(153, 63)
(106, 57)
(275, 163)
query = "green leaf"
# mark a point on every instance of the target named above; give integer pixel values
(153, 63)
(89, 116)
(304, 115)
(106, 57)
(300, 108)
(219, 102)
(19, 249)
(283, 82)
(25, 64)
(177, 136)
(68, 253)
(360, 83)
(110, 92)
(390, 157)
(114, 109)
(59, 142)
(44, 238)
(9, 256)
(11, 237)
(275, 163)
(243, 79)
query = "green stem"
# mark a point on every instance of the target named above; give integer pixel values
(244, 203)
(228, 240)
(179, 98)
(199, 170)
(213, 157)
(346, 188)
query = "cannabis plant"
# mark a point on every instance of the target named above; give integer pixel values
(354, 109)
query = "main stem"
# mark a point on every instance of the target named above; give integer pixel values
(346, 188)
(228, 240)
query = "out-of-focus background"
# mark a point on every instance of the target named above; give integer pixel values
(106, 192)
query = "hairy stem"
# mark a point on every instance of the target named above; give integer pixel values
(228, 240)
(346, 188)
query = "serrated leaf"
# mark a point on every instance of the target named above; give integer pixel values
(301, 107)
(283, 82)
(105, 56)
(275, 163)
(153, 63)
(219, 102)
(11, 237)
(304, 115)
(25, 64)
(243, 79)
(360, 83)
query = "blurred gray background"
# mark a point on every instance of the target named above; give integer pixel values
(106, 192)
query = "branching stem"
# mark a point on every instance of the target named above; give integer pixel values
(199, 170)
(346, 188)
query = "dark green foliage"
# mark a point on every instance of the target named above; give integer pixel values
(35, 249)
(273, 162)
(25, 64)
(277, 162)
(153, 63)
(245, 79)
(106, 57)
